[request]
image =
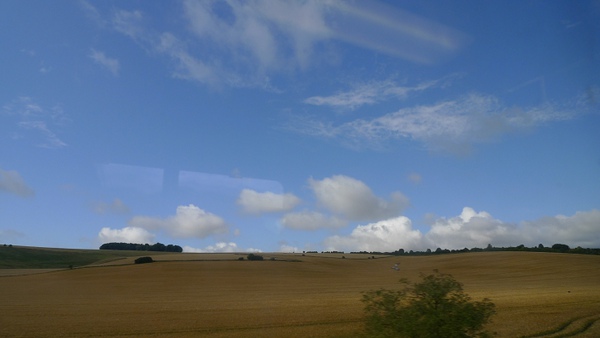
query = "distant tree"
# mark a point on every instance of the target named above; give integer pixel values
(143, 260)
(253, 257)
(489, 247)
(560, 247)
(434, 307)
(541, 246)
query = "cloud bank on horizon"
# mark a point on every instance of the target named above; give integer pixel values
(345, 199)
(300, 125)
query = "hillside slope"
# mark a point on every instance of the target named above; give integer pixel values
(318, 296)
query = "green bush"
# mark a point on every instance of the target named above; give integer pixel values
(253, 257)
(435, 307)
(143, 260)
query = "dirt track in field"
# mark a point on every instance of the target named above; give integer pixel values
(217, 296)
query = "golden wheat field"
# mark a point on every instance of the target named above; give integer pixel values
(317, 295)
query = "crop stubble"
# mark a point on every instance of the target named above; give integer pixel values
(184, 295)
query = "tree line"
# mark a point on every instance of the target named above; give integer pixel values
(141, 247)
(562, 248)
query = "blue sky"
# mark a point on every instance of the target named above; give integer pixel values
(300, 125)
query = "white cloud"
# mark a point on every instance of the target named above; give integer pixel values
(388, 235)
(311, 220)
(354, 200)
(12, 183)
(220, 247)
(188, 221)
(48, 138)
(112, 65)
(126, 235)
(371, 93)
(452, 125)
(266, 35)
(581, 229)
(478, 229)
(240, 43)
(129, 23)
(255, 202)
(116, 206)
(471, 229)
(33, 121)
(288, 248)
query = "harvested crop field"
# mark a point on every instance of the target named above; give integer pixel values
(317, 295)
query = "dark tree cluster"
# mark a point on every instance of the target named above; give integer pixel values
(141, 247)
(561, 248)
(253, 257)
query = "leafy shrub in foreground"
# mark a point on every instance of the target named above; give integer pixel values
(435, 307)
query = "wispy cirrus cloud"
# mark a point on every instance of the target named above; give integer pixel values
(243, 43)
(450, 126)
(35, 122)
(12, 183)
(112, 65)
(374, 92)
(116, 206)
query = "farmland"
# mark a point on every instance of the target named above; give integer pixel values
(316, 295)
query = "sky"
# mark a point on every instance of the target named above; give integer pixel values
(264, 126)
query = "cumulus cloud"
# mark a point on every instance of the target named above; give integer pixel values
(478, 229)
(288, 248)
(386, 235)
(580, 229)
(220, 247)
(126, 235)
(471, 229)
(255, 202)
(112, 65)
(188, 221)
(116, 206)
(12, 183)
(354, 200)
(452, 125)
(311, 220)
